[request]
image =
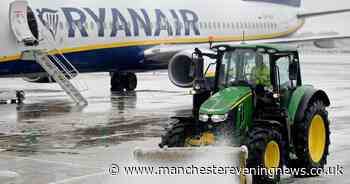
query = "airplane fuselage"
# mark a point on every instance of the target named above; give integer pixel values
(109, 35)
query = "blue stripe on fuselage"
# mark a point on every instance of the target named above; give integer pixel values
(100, 60)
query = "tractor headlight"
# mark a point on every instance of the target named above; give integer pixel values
(203, 117)
(219, 118)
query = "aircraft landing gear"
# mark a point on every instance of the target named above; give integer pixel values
(123, 81)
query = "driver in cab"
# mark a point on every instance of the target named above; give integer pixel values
(260, 72)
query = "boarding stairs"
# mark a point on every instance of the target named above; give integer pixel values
(23, 23)
(61, 70)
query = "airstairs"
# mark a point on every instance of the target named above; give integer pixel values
(59, 71)
(24, 27)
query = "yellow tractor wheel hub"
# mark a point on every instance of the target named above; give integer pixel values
(317, 138)
(272, 155)
(205, 139)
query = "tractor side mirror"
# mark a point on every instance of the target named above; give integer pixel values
(293, 70)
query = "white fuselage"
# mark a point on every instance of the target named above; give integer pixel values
(87, 25)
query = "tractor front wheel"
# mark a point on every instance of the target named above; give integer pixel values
(176, 133)
(311, 139)
(265, 154)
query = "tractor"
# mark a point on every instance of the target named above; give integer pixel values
(255, 98)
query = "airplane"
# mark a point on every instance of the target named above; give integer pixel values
(124, 37)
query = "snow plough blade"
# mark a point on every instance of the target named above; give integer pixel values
(234, 157)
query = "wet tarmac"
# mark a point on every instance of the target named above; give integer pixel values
(50, 140)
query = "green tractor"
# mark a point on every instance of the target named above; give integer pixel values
(256, 98)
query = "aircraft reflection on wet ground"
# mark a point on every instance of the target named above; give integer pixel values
(57, 125)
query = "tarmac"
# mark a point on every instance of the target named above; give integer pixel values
(50, 140)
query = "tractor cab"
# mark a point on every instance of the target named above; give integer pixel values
(253, 83)
(271, 72)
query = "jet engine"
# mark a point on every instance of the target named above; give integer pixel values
(181, 69)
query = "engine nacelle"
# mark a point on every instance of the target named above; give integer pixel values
(181, 69)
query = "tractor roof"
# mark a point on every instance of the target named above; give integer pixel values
(279, 48)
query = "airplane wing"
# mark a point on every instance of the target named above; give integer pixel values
(314, 14)
(298, 40)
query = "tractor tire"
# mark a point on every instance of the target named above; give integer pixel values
(311, 139)
(266, 150)
(176, 133)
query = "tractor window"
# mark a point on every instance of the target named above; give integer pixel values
(283, 67)
(244, 65)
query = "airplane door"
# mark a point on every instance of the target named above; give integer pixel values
(23, 23)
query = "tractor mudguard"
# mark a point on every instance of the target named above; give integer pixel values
(300, 100)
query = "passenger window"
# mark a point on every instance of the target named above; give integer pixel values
(283, 68)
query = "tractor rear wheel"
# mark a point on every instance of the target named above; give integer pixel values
(176, 133)
(265, 146)
(311, 137)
